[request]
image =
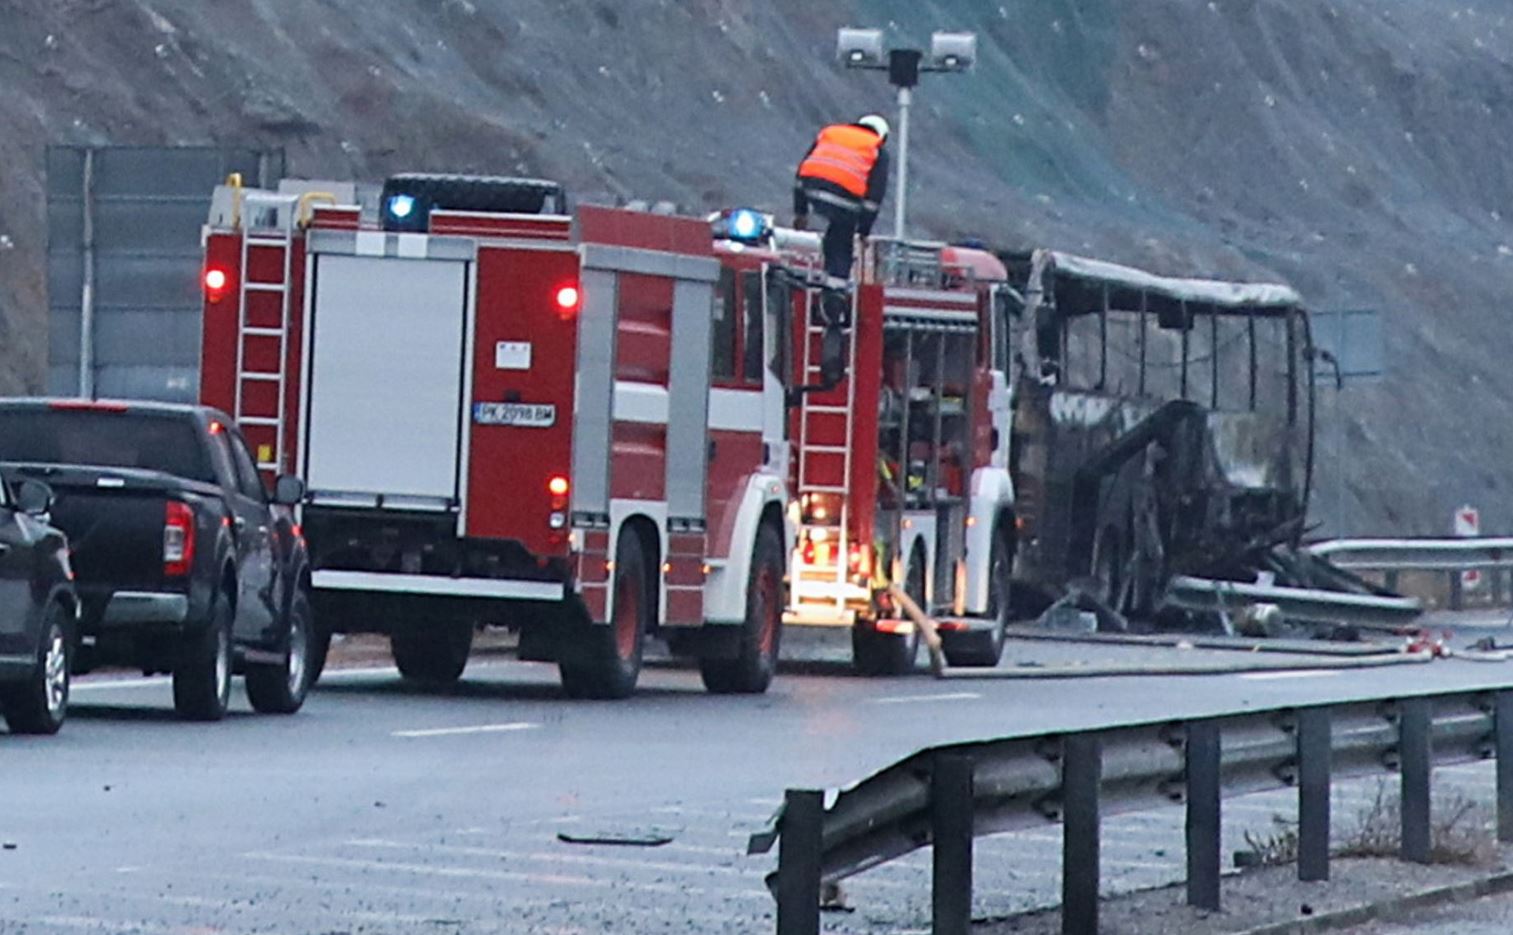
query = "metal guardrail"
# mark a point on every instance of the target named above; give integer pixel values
(1307, 605)
(1416, 554)
(942, 797)
(1453, 556)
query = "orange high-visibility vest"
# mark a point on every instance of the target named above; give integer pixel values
(843, 154)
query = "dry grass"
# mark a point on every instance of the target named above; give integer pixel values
(1460, 833)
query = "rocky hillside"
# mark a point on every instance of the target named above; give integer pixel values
(1352, 147)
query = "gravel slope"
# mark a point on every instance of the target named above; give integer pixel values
(1354, 148)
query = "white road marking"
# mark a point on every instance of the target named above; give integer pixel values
(548, 857)
(1289, 674)
(475, 729)
(915, 699)
(554, 879)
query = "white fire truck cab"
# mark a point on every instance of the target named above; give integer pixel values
(509, 413)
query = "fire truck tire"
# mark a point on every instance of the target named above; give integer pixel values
(433, 654)
(281, 688)
(751, 671)
(607, 662)
(983, 648)
(874, 652)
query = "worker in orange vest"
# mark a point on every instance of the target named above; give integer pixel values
(845, 176)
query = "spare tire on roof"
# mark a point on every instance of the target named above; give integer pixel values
(492, 194)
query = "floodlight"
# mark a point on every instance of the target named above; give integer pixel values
(953, 51)
(860, 48)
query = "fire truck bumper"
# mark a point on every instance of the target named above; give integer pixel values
(488, 588)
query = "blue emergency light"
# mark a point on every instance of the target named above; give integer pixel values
(742, 225)
(401, 206)
(745, 224)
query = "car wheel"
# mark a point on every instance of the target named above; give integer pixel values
(40, 703)
(608, 662)
(751, 671)
(281, 688)
(320, 647)
(202, 674)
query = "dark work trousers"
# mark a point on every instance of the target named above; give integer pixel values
(840, 238)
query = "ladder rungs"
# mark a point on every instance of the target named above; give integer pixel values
(266, 287)
(267, 466)
(254, 241)
(822, 450)
(262, 377)
(826, 410)
(264, 332)
(822, 488)
(265, 421)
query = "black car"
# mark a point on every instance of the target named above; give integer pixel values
(38, 608)
(184, 564)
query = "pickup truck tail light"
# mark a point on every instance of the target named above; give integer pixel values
(178, 539)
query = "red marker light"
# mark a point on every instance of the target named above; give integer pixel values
(557, 486)
(568, 298)
(215, 283)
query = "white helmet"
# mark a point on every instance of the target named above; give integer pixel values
(876, 124)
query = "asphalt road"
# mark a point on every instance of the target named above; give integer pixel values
(380, 809)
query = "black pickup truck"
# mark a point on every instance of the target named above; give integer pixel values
(183, 563)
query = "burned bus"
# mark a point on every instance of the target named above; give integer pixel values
(1161, 427)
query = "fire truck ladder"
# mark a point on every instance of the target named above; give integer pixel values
(812, 479)
(267, 227)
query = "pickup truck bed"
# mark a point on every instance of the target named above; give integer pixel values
(183, 564)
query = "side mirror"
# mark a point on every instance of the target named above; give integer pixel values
(34, 497)
(288, 490)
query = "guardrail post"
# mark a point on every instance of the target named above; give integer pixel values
(1081, 775)
(1390, 580)
(1203, 814)
(1415, 755)
(951, 833)
(799, 847)
(1457, 596)
(1314, 751)
(1502, 726)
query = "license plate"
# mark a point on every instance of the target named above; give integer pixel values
(526, 415)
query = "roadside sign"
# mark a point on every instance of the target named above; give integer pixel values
(1467, 524)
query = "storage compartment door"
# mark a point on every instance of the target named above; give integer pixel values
(386, 378)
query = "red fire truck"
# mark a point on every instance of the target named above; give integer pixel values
(900, 468)
(506, 413)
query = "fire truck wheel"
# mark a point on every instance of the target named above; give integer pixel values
(874, 652)
(281, 688)
(985, 647)
(608, 662)
(432, 654)
(750, 672)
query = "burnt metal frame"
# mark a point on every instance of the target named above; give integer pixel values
(944, 796)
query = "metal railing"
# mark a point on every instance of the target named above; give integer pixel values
(1452, 556)
(942, 797)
